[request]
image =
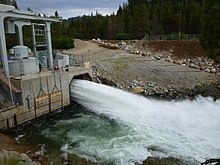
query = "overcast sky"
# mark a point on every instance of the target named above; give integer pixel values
(71, 8)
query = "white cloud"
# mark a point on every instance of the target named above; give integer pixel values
(74, 12)
(71, 8)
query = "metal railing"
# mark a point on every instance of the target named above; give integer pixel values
(142, 41)
(170, 37)
(174, 37)
(77, 60)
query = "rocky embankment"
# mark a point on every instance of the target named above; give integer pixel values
(188, 77)
(13, 158)
(152, 89)
(134, 47)
(13, 152)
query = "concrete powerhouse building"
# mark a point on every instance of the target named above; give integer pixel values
(29, 85)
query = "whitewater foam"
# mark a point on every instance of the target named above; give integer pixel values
(186, 130)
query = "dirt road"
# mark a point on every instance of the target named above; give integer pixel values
(156, 77)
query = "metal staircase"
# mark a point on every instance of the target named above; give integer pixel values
(39, 37)
(39, 41)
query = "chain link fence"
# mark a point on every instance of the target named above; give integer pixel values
(173, 37)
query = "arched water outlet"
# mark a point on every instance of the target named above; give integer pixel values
(86, 76)
(80, 77)
(186, 130)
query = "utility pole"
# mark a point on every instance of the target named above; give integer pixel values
(155, 25)
(180, 24)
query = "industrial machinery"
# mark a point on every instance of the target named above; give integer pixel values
(21, 63)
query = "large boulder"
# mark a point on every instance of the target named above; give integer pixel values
(138, 89)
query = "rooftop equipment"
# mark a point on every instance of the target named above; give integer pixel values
(20, 52)
(22, 63)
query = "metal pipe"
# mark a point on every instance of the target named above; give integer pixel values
(34, 41)
(12, 98)
(49, 45)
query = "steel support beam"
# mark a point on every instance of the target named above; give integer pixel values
(20, 31)
(3, 49)
(49, 44)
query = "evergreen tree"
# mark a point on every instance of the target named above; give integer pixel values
(6, 2)
(211, 28)
(110, 28)
(14, 3)
(56, 14)
(29, 9)
(140, 17)
(10, 2)
(141, 21)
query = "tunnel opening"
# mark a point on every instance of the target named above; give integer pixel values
(83, 77)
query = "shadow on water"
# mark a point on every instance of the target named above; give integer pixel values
(32, 129)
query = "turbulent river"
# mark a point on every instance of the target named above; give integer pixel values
(111, 126)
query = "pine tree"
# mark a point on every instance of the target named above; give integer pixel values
(6, 2)
(56, 14)
(138, 17)
(29, 9)
(110, 28)
(141, 21)
(14, 3)
(211, 28)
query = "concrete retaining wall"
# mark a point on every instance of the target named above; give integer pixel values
(42, 93)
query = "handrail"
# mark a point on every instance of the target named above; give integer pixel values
(173, 37)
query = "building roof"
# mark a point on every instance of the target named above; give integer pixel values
(8, 11)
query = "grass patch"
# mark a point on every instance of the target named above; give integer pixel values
(120, 64)
(12, 161)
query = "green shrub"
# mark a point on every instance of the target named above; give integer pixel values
(124, 36)
(63, 43)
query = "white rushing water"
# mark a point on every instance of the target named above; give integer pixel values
(186, 130)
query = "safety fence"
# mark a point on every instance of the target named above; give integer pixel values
(173, 37)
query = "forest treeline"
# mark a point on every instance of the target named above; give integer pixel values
(140, 17)
(136, 18)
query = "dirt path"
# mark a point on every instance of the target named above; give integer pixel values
(91, 51)
(156, 77)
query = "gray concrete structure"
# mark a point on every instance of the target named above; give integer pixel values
(11, 16)
(42, 93)
(32, 93)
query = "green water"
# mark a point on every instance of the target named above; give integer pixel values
(121, 128)
(87, 137)
(71, 129)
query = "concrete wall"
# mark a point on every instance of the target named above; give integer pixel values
(42, 93)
